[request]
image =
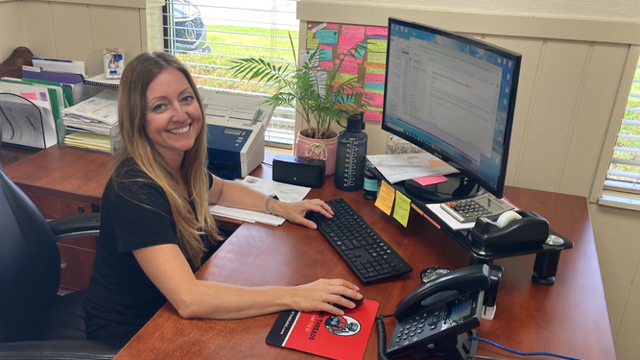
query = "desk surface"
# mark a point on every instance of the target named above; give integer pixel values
(569, 317)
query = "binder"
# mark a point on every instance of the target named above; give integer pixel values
(100, 80)
(32, 72)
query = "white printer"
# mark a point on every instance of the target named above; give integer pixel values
(236, 125)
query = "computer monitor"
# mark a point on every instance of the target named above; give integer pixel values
(453, 96)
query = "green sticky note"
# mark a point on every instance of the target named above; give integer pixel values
(345, 77)
(312, 43)
(377, 45)
(309, 34)
(402, 208)
(374, 71)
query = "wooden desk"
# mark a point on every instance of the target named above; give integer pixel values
(569, 317)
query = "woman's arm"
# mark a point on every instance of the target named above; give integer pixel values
(233, 194)
(168, 269)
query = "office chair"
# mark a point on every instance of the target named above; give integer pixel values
(35, 322)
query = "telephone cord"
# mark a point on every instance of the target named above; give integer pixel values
(536, 353)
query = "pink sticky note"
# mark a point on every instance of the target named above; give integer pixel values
(377, 100)
(372, 115)
(349, 68)
(374, 78)
(327, 64)
(430, 180)
(332, 26)
(376, 30)
(349, 40)
(353, 30)
(326, 47)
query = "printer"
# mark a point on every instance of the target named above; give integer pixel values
(236, 124)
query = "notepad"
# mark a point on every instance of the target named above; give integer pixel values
(324, 334)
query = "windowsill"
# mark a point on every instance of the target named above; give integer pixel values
(278, 150)
(620, 200)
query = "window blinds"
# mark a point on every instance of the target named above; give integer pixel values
(624, 171)
(207, 35)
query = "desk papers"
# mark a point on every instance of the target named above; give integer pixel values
(92, 123)
(285, 192)
(27, 123)
(399, 167)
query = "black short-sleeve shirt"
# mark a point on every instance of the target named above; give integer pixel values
(121, 298)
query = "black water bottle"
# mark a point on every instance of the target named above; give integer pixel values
(351, 155)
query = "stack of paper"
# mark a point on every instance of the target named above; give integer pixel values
(399, 167)
(285, 193)
(92, 123)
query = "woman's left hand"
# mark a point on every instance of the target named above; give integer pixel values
(295, 212)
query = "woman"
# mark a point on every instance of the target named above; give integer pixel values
(156, 229)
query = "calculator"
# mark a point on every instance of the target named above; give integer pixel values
(469, 210)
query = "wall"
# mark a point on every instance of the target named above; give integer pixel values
(73, 29)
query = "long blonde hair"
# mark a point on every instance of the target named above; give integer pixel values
(135, 144)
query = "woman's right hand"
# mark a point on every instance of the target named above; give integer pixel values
(317, 295)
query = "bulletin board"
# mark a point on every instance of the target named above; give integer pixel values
(368, 67)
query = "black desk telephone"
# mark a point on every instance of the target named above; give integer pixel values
(437, 318)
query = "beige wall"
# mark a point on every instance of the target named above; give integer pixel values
(73, 29)
(575, 75)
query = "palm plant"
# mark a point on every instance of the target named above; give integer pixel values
(322, 100)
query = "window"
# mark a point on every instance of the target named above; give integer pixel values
(207, 35)
(624, 171)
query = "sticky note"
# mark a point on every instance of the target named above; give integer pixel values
(371, 70)
(30, 95)
(374, 65)
(402, 209)
(377, 30)
(377, 100)
(326, 64)
(312, 43)
(353, 31)
(326, 47)
(372, 115)
(325, 55)
(345, 77)
(373, 86)
(349, 68)
(329, 36)
(309, 34)
(332, 26)
(374, 78)
(385, 198)
(376, 45)
(349, 40)
(430, 180)
(377, 57)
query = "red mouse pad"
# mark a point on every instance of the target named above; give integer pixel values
(320, 333)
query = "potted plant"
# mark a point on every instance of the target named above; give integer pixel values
(322, 100)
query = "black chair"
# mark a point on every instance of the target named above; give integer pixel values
(36, 322)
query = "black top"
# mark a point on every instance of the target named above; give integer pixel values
(121, 298)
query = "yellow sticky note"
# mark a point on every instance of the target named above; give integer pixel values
(377, 57)
(309, 34)
(385, 198)
(345, 77)
(371, 70)
(402, 209)
(312, 43)
(377, 45)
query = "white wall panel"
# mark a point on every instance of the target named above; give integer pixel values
(601, 81)
(116, 27)
(556, 94)
(39, 30)
(530, 49)
(11, 23)
(72, 31)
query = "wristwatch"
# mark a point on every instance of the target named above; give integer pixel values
(266, 204)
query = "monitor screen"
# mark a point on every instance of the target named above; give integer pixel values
(453, 96)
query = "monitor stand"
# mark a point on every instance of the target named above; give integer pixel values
(457, 187)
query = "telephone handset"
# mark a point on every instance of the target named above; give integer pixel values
(434, 318)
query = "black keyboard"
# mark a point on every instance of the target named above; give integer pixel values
(368, 255)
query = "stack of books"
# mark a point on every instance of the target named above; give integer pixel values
(93, 123)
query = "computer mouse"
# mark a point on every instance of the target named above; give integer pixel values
(355, 301)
